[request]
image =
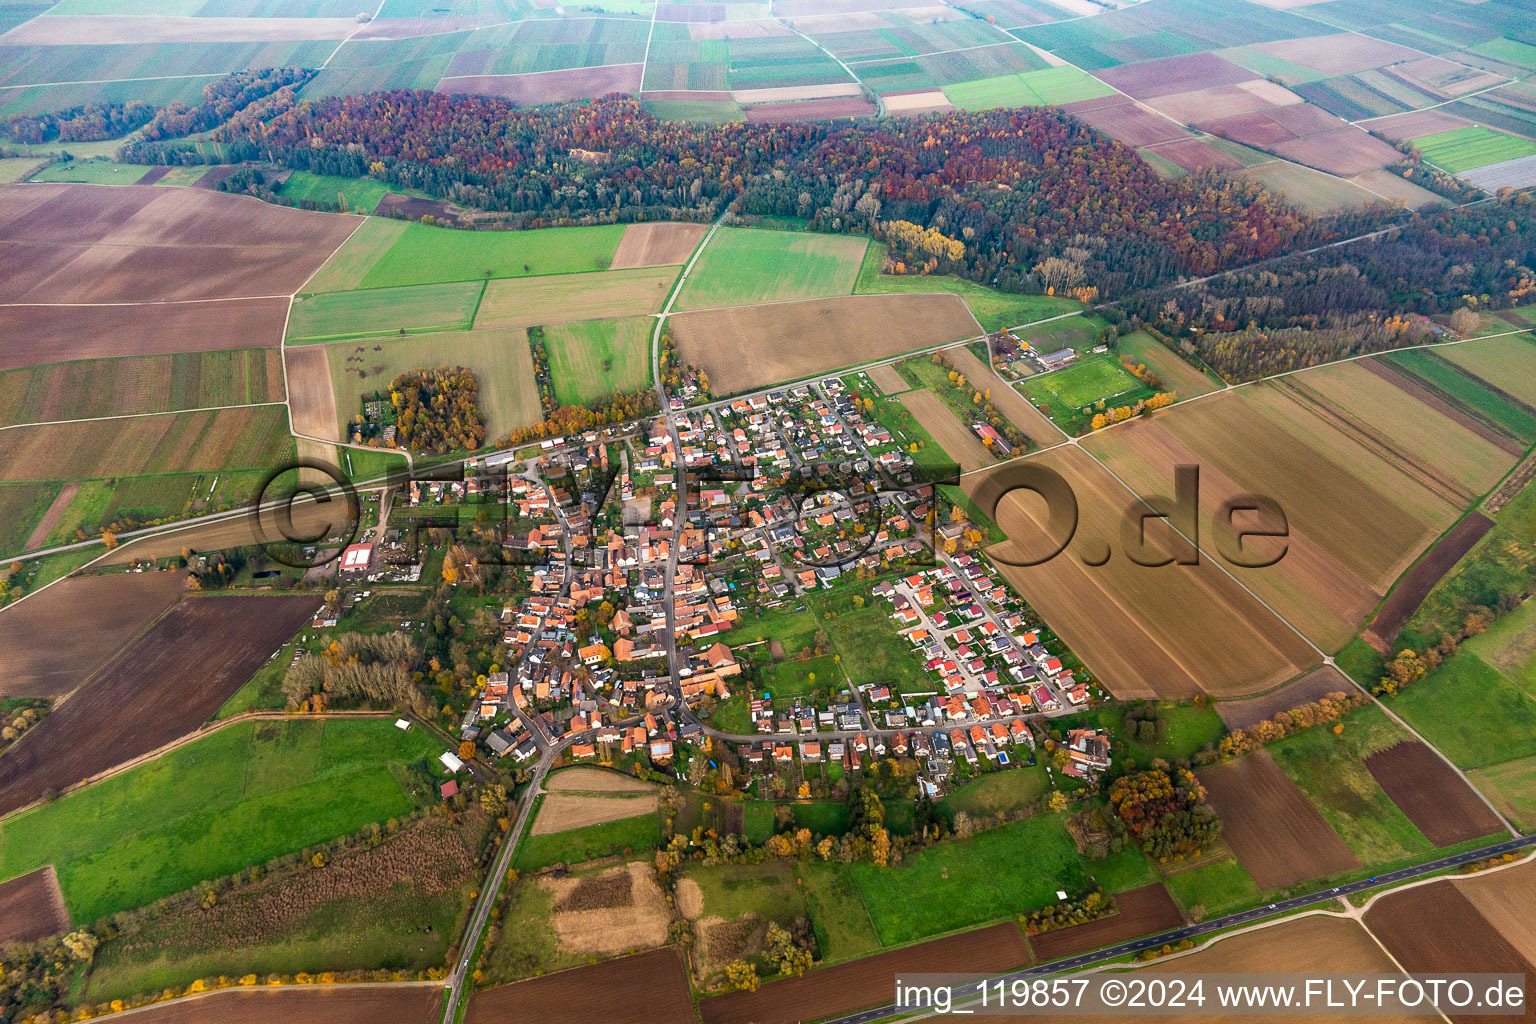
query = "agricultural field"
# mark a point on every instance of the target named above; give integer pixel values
(1457, 924)
(384, 312)
(1178, 375)
(353, 916)
(47, 656)
(77, 243)
(1509, 363)
(945, 427)
(500, 359)
(1044, 87)
(245, 438)
(1252, 794)
(596, 358)
(157, 689)
(242, 795)
(1350, 434)
(1463, 149)
(631, 990)
(859, 984)
(565, 811)
(1146, 633)
(357, 255)
(1214, 887)
(993, 309)
(31, 907)
(657, 245)
(564, 298)
(1472, 396)
(422, 254)
(1431, 794)
(750, 347)
(355, 1005)
(140, 384)
(38, 335)
(1312, 190)
(358, 195)
(26, 508)
(750, 265)
(577, 845)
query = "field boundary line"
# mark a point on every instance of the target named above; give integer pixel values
(361, 25)
(105, 81)
(532, 74)
(142, 415)
(146, 302)
(863, 86)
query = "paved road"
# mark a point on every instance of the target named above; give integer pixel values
(1231, 920)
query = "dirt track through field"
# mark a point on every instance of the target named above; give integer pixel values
(859, 984)
(51, 642)
(1430, 792)
(311, 396)
(32, 907)
(657, 245)
(1278, 836)
(51, 517)
(651, 988)
(746, 347)
(158, 688)
(1034, 423)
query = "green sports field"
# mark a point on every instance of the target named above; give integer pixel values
(748, 265)
(384, 312)
(595, 358)
(245, 794)
(430, 255)
(1081, 385)
(1472, 146)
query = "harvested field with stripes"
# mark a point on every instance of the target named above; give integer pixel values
(954, 436)
(1175, 631)
(1433, 796)
(563, 298)
(417, 1004)
(37, 335)
(32, 907)
(642, 989)
(657, 245)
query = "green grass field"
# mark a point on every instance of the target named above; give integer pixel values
(873, 653)
(432, 255)
(362, 249)
(993, 309)
(795, 678)
(1014, 789)
(1330, 769)
(596, 358)
(1121, 871)
(245, 794)
(733, 890)
(1190, 728)
(361, 195)
(1473, 146)
(15, 168)
(1044, 87)
(995, 874)
(21, 506)
(1512, 788)
(1217, 887)
(1471, 711)
(749, 265)
(842, 925)
(640, 833)
(93, 172)
(1081, 385)
(703, 111)
(501, 361)
(384, 312)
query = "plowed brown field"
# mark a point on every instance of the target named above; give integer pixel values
(157, 689)
(867, 982)
(748, 347)
(396, 1004)
(1276, 833)
(1433, 796)
(311, 396)
(52, 642)
(32, 907)
(651, 988)
(37, 335)
(956, 438)
(1240, 714)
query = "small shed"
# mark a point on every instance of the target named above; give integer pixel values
(449, 789)
(451, 762)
